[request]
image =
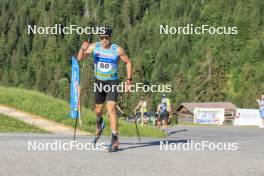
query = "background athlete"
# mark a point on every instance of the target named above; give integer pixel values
(261, 109)
(143, 110)
(106, 58)
(163, 110)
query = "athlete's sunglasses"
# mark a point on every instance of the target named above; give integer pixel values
(104, 37)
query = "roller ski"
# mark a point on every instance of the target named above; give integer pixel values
(113, 147)
(100, 125)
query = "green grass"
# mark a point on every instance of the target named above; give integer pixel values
(49, 107)
(9, 124)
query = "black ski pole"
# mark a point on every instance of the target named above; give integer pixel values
(135, 121)
(76, 121)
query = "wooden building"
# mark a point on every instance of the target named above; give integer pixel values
(185, 111)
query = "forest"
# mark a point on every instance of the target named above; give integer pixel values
(200, 68)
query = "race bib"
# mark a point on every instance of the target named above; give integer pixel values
(104, 67)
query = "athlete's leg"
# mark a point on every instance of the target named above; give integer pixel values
(110, 105)
(159, 120)
(167, 120)
(142, 119)
(98, 112)
(165, 123)
(111, 99)
(100, 97)
(145, 120)
(262, 116)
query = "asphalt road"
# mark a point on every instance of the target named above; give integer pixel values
(138, 158)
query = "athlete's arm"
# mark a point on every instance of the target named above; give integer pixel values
(86, 50)
(119, 109)
(158, 109)
(127, 61)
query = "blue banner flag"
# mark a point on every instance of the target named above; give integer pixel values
(75, 89)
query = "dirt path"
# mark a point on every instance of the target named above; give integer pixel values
(43, 123)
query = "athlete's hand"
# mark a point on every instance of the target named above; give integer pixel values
(85, 46)
(128, 85)
(83, 52)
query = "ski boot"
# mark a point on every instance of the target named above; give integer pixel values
(113, 147)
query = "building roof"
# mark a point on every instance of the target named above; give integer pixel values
(191, 105)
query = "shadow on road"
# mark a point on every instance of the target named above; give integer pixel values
(147, 144)
(177, 131)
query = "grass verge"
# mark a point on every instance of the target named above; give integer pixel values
(9, 124)
(49, 107)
